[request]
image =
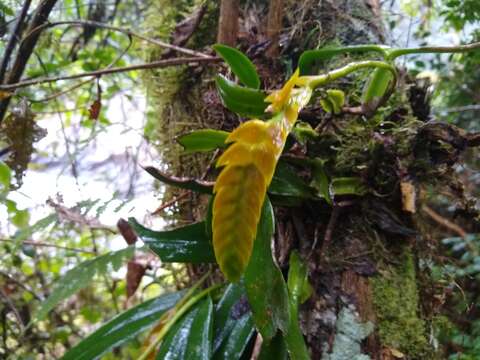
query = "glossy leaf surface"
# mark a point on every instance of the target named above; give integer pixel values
(275, 349)
(236, 342)
(186, 244)
(286, 182)
(347, 186)
(122, 328)
(240, 64)
(241, 100)
(203, 140)
(191, 336)
(266, 289)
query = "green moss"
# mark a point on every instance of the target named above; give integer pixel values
(397, 306)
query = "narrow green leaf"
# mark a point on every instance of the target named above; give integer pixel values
(200, 341)
(275, 349)
(203, 140)
(191, 336)
(240, 64)
(237, 341)
(225, 318)
(241, 100)
(186, 244)
(183, 183)
(347, 186)
(122, 328)
(266, 289)
(297, 284)
(81, 276)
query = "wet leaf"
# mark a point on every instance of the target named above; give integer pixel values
(274, 349)
(240, 64)
(186, 244)
(320, 179)
(203, 140)
(191, 336)
(237, 340)
(122, 328)
(226, 314)
(266, 289)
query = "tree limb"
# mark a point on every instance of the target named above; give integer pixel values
(97, 73)
(12, 41)
(26, 49)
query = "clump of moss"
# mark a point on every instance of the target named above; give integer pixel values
(397, 306)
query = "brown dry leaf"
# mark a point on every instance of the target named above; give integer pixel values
(94, 110)
(126, 231)
(135, 272)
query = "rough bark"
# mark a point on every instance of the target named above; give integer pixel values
(363, 273)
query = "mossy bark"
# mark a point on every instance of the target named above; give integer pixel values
(366, 303)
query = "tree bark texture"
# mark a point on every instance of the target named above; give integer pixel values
(367, 300)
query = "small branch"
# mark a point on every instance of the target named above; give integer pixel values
(444, 222)
(171, 202)
(25, 50)
(151, 65)
(12, 41)
(12, 307)
(433, 50)
(228, 22)
(128, 32)
(40, 244)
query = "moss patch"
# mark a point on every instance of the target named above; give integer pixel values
(397, 306)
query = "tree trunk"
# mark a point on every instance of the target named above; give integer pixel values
(367, 301)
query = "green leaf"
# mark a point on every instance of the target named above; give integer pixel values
(337, 99)
(21, 218)
(122, 328)
(241, 100)
(347, 186)
(183, 183)
(82, 275)
(297, 286)
(186, 244)
(237, 341)
(275, 349)
(41, 224)
(287, 183)
(320, 179)
(5, 175)
(203, 140)
(191, 336)
(224, 313)
(240, 65)
(266, 288)
(376, 87)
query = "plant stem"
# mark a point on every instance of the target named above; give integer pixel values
(432, 50)
(316, 81)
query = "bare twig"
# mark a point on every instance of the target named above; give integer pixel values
(25, 50)
(12, 307)
(21, 284)
(96, 73)
(12, 41)
(128, 32)
(41, 244)
(443, 221)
